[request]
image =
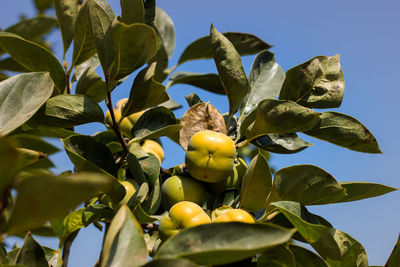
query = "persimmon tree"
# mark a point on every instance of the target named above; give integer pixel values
(117, 183)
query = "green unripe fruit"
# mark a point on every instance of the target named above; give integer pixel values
(210, 156)
(180, 188)
(234, 180)
(182, 215)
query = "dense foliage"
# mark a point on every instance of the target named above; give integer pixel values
(246, 213)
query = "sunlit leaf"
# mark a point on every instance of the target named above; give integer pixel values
(145, 92)
(84, 45)
(230, 69)
(335, 247)
(266, 79)
(91, 85)
(67, 111)
(100, 18)
(155, 122)
(66, 11)
(306, 184)
(20, 98)
(281, 143)
(124, 241)
(394, 258)
(33, 57)
(166, 30)
(317, 83)
(84, 152)
(244, 43)
(360, 190)
(222, 243)
(256, 184)
(345, 131)
(279, 117)
(133, 45)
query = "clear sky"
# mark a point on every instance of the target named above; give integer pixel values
(365, 34)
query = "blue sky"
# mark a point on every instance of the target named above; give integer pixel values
(364, 33)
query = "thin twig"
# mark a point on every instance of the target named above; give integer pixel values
(115, 125)
(67, 247)
(67, 78)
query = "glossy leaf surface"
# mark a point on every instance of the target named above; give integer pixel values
(222, 243)
(317, 83)
(230, 69)
(345, 131)
(124, 241)
(20, 97)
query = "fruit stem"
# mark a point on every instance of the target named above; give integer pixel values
(115, 125)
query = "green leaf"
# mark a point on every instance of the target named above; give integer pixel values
(279, 117)
(31, 253)
(80, 69)
(394, 258)
(154, 123)
(306, 258)
(266, 79)
(145, 92)
(135, 168)
(208, 81)
(68, 111)
(317, 83)
(20, 98)
(84, 152)
(256, 184)
(132, 11)
(345, 131)
(66, 11)
(360, 190)
(42, 5)
(10, 162)
(53, 257)
(306, 184)
(244, 43)
(134, 45)
(63, 193)
(222, 243)
(170, 263)
(124, 242)
(95, 212)
(193, 99)
(230, 69)
(11, 65)
(91, 85)
(150, 11)
(71, 223)
(100, 18)
(32, 29)
(84, 45)
(281, 143)
(165, 28)
(279, 256)
(337, 248)
(33, 57)
(153, 201)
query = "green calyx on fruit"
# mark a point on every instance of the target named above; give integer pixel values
(182, 215)
(210, 156)
(181, 188)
